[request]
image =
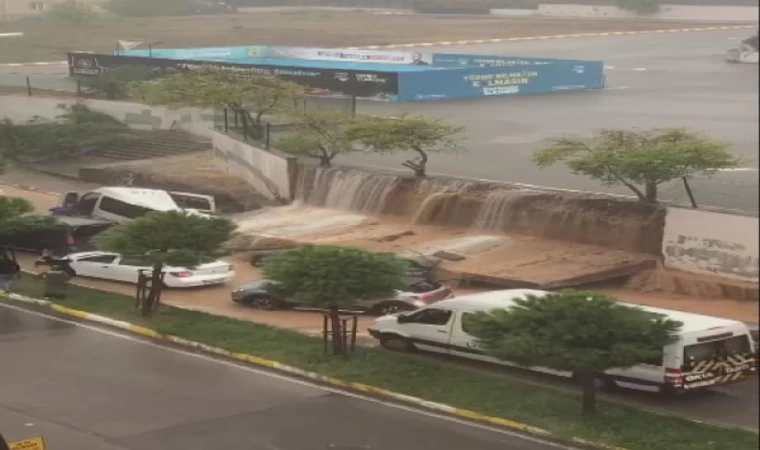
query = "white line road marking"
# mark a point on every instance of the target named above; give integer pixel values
(609, 67)
(291, 380)
(13, 34)
(640, 69)
(616, 88)
(739, 169)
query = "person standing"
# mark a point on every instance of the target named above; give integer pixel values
(9, 270)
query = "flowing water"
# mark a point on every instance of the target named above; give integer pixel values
(346, 189)
(500, 208)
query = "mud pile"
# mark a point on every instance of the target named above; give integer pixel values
(608, 222)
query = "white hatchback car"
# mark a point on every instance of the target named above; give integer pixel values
(112, 266)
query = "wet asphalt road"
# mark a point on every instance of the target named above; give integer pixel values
(85, 389)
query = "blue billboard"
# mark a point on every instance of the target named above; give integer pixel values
(205, 53)
(506, 80)
(454, 60)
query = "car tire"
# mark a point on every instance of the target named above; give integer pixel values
(262, 302)
(386, 308)
(396, 343)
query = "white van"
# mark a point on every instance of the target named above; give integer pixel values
(710, 351)
(122, 204)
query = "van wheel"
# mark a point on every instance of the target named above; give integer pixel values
(396, 343)
(386, 308)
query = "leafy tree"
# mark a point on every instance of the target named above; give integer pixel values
(114, 83)
(585, 333)
(15, 216)
(75, 130)
(218, 89)
(333, 277)
(174, 238)
(407, 133)
(318, 134)
(639, 160)
(73, 11)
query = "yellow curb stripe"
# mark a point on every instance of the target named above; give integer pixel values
(256, 360)
(69, 311)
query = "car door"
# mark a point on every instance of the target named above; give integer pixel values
(430, 329)
(98, 266)
(128, 268)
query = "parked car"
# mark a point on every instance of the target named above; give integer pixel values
(70, 234)
(417, 266)
(113, 266)
(416, 294)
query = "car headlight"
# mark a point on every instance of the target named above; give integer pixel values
(419, 303)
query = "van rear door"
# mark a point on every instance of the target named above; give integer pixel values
(720, 358)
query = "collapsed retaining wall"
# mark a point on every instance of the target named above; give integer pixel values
(583, 218)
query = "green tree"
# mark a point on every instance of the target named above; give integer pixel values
(333, 277)
(174, 238)
(73, 11)
(250, 96)
(321, 135)
(406, 133)
(115, 83)
(585, 333)
(77, 129)
(15, 216)
(640, 160)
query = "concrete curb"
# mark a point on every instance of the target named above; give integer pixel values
(31, 189)
(334, 382)
(558, 36)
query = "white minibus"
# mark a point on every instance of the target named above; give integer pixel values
(710, 351)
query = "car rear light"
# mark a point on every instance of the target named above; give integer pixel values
(427, 296)
(70, 241)
(674, 377)
(182, 274)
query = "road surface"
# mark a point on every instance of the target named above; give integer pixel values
(83, 388)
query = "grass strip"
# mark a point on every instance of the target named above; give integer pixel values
(616, 424)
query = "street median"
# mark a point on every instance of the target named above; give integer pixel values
(485, 398)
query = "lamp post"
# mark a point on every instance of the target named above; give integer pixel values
(150, 47)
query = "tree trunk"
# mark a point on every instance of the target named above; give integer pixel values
(336, 331)
(651, 192)
(156, 284)
(588, 385)
(421, 169)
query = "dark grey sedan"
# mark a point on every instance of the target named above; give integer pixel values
(416, 294)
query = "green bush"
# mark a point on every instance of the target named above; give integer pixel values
(72, 11)
(640, 7)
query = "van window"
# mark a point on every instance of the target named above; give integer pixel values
(86, 204)
(123, 209)
(717, 349)
(430, 317)
(467, 322)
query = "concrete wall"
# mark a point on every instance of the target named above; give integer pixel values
(711, 243)
(667, 12)
(20, 108)
(269, 172)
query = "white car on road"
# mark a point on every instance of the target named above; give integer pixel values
(113, 266)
